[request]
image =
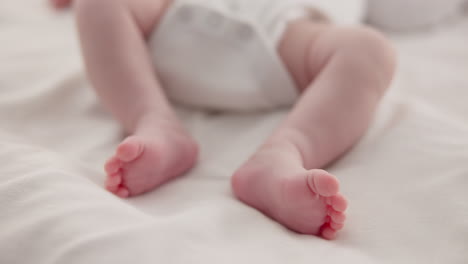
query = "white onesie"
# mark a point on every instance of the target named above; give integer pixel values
(221, 54)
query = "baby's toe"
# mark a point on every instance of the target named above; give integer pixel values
(337, 217)
(336, 226)
(323, 183)
(338, 202)
(328, 233)
(122, 192)
(113, 182)
(130, 149)
(112, 166)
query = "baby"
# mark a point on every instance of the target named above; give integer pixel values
(238, 55)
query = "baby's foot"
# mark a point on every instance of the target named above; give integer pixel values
(60, 3)
(306, 201)
(149, 158)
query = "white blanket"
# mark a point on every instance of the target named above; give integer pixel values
(406, 180)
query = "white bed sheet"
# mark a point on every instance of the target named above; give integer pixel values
(406, 181)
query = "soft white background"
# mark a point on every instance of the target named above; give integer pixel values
(406, 181)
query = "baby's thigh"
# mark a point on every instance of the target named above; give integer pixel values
(146, 13)
(307, 47)
(294, 48)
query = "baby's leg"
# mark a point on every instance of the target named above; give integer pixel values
(112, 34)
(342, 73)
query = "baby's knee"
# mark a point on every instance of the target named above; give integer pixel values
(366, 47)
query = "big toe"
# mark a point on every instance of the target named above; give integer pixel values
(130, 149)
(323, 183)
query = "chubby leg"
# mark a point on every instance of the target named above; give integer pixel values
(112, 34)
(342, 73)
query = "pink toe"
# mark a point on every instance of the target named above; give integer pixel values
(336, 226)
(112, 188)
(129, 149)
(337, 217)
(328, 233)
(338, 202)
(114, 180)
(122, 192)
(112, 166)
(323, 183)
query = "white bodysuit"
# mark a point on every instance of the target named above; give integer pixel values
(222, 54)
